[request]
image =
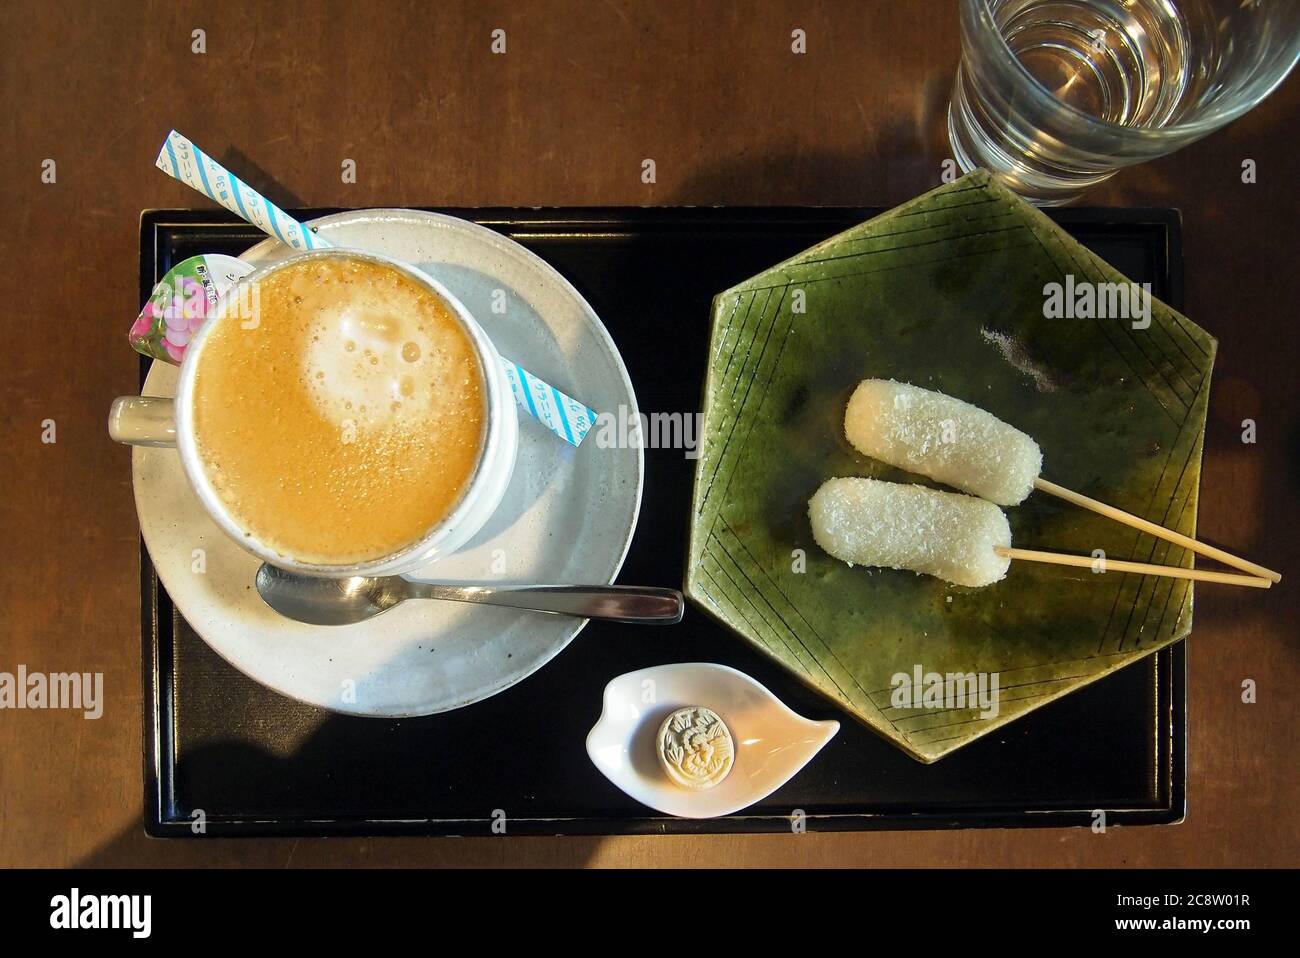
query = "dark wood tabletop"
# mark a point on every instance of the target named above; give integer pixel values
(414, 95)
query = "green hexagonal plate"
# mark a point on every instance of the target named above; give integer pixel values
(945, 292)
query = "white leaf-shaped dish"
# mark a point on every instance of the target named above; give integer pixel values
(772, 742)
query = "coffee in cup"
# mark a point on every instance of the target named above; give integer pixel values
(343, 418)
(352, 417)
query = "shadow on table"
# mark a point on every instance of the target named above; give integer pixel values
(901, 159)
(131, 848)
(339, 763)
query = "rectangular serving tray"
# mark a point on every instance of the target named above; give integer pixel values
(256, 763)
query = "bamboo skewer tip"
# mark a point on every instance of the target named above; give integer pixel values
(1154, 529)
(1126, 565)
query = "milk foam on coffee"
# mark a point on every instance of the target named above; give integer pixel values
(347, 421)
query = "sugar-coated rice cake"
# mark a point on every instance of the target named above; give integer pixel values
(945, 534)
(943, 438)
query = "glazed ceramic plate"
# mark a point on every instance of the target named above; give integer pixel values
(568, 515)
(946, 292)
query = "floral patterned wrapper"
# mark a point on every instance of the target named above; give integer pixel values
(181, 301)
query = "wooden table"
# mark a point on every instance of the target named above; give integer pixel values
(413, 94)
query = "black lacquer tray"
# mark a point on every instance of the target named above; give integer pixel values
(256, 763)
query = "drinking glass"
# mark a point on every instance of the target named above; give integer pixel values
(1055, 96)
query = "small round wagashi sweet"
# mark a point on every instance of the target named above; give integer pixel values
(695, 747)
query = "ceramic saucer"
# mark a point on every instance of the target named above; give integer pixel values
(567, 517)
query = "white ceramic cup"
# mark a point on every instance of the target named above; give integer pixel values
(157, 421)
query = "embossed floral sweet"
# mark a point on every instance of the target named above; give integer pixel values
(695, 747)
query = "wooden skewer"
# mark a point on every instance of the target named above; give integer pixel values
(1123, 565)
(1160, 532)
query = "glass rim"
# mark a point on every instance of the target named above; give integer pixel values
(1178, 131)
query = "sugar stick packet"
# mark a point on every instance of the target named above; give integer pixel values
(179, 158)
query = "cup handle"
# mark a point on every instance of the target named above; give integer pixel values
(143, 421)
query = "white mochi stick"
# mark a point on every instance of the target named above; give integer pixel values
(948, 440)
(873, 523)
